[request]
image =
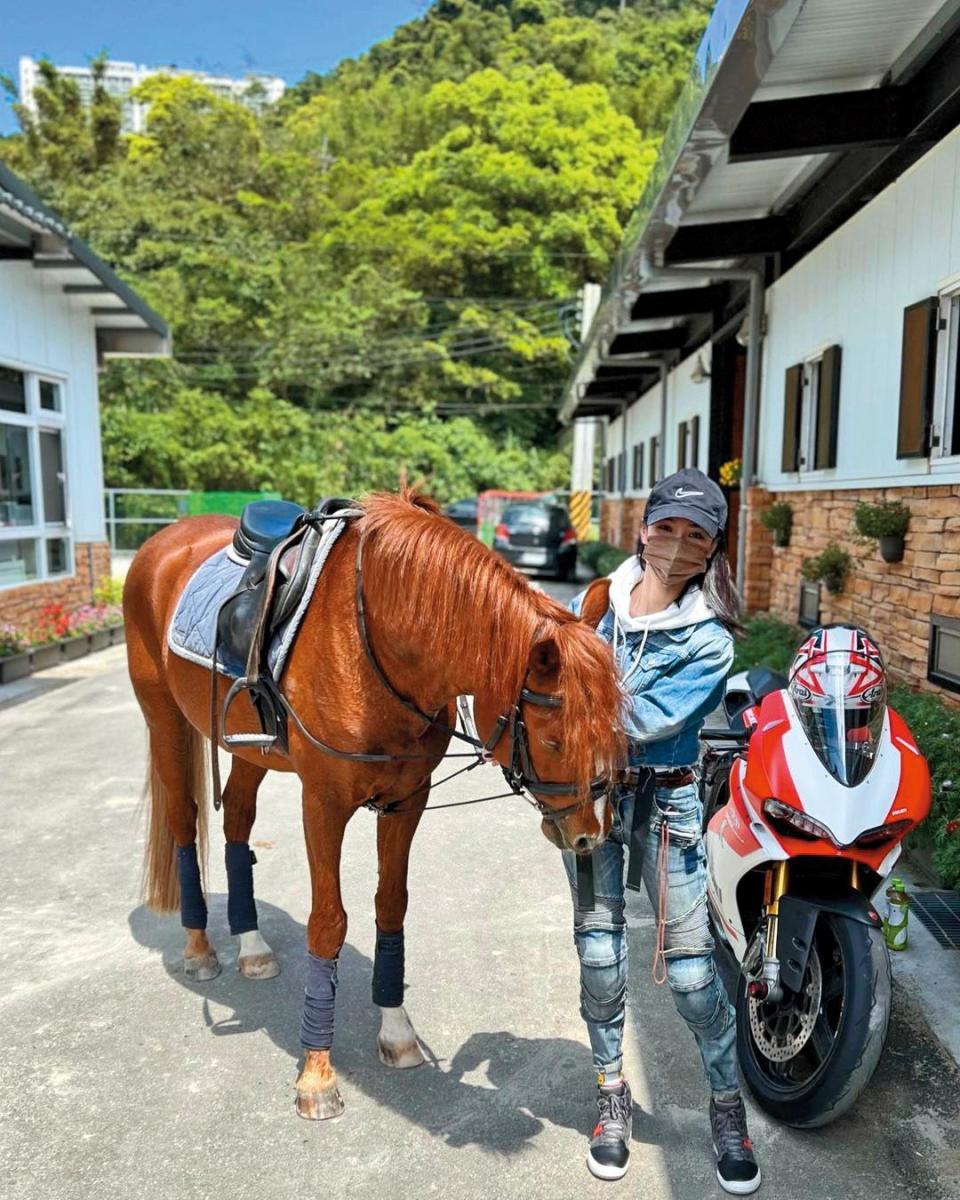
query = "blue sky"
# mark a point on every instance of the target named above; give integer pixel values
(282, 37)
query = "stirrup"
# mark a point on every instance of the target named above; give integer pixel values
(264, 741)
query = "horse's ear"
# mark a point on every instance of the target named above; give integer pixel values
(545, 661)
(595, 602)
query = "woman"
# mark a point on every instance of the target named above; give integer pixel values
(668, 611)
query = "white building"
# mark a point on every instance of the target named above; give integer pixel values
(62, 312)
(120, 78)
(816, 153)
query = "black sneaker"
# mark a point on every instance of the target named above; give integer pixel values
(609, 1150)
(737, 1168)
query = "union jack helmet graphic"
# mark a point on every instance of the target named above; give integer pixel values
(838, 664)
(839, 691)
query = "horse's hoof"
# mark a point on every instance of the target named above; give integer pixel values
(408, 1055)
(201, 967)
(258, 966)
(319, 1106)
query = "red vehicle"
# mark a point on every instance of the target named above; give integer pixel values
(808, 794)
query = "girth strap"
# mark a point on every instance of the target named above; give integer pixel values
(642, 807)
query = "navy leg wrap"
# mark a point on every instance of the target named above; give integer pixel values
(319, 997)
(193, 907)
(388, 970)
(241, 908)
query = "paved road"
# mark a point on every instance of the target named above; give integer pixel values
(120, 1079)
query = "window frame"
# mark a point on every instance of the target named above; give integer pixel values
(945, 370)
(36, 421)
(807, 585)
(952, 624)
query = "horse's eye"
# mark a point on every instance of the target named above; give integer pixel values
(551, 744)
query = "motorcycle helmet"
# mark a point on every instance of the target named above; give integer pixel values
(838, 687)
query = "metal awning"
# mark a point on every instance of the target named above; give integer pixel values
(126, 327)
(796, 114)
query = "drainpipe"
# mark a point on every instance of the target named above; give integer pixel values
(755, 278)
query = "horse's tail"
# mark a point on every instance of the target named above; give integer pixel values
(161, 881)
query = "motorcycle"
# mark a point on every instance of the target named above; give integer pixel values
(809, 786)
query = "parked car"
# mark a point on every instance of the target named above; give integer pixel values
(464, 513)
(537, 537)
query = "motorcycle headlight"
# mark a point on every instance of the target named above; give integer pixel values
(793, 823)
(883, 833)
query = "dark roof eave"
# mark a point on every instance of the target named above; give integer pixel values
(32, 207)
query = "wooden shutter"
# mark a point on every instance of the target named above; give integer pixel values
(638, 465)
(917, 370)
(793, 390)
(695, 438)
(828, 409)
(681, 445)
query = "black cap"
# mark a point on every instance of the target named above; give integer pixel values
(688, 493)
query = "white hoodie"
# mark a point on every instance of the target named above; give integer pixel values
(691, 609)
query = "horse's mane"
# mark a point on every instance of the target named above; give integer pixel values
(436, 572)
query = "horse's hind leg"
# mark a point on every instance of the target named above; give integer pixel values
(256, 960)
(397, 1045)
(172, 865)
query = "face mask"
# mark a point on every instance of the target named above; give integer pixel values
(675, 560)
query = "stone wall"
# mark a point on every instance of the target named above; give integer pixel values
(893, 601)
(19, 605)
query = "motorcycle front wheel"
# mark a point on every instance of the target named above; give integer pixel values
(807, 1058)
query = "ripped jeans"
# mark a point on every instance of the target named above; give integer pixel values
(600, 935)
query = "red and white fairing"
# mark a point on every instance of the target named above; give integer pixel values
(782, 764)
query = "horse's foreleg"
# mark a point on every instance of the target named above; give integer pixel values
(397, 1044)
(324, 821)
(256, 960)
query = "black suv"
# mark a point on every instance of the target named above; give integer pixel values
(537, 537)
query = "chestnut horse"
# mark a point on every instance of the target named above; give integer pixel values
(445, 617)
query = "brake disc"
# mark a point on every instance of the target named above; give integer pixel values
(781, 1030)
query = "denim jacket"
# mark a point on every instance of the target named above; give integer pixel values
(671, 687)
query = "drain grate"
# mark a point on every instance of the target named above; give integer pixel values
(940, 913)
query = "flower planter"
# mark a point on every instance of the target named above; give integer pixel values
(15, 666)
(891, 548)
(100, 640)
(47, 655)
(76, 647)
(118, 635)
(833, 584)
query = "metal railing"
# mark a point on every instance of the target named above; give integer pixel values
(132, 514)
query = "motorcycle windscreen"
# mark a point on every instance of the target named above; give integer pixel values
(843, 724)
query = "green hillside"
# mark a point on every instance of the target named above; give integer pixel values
(380, 273)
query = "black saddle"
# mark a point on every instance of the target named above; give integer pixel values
(278, 540)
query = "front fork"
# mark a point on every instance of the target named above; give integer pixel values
(765, 982)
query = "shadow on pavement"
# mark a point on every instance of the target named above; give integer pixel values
(527, 1082)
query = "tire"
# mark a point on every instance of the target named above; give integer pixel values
(805, 1092)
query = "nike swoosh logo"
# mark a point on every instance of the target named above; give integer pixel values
(681, 494)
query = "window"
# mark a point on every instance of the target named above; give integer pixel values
(943, 663)
(622, 471)
(35, 541)
(811, 412)
(608, 481)
(945, 430)
(809, 612)
(638, 466)
(13, 394)
(654, 459)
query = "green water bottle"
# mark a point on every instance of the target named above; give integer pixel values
(898, 910)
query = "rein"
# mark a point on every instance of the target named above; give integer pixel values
(521, 775)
